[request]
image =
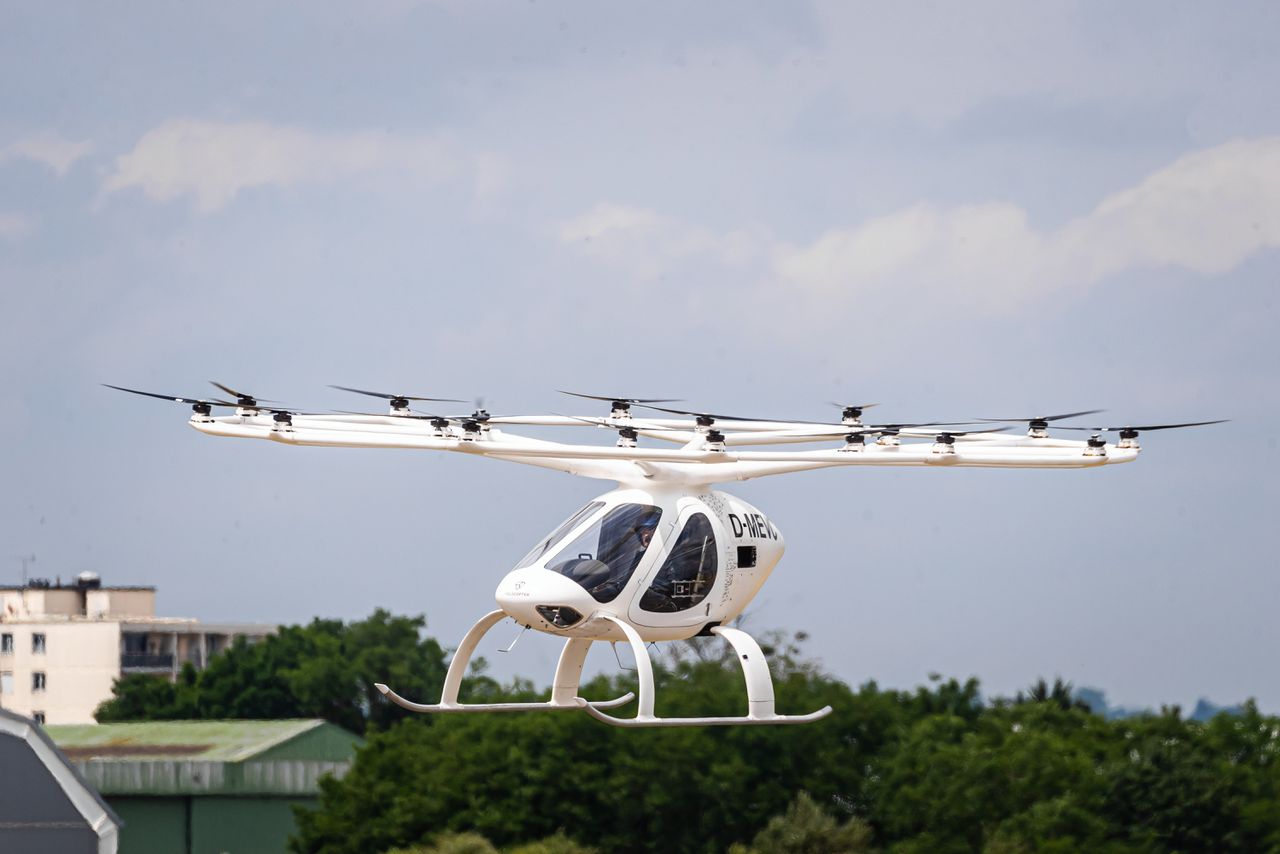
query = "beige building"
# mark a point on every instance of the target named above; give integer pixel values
(62, 647)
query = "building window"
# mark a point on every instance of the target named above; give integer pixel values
(6, 643)
(37, 680)
(37, 643)
(6, 682)
(38, 717)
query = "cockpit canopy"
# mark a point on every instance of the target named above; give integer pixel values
(686, 576)
(604, 555)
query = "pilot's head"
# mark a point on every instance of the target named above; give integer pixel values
(645, 533)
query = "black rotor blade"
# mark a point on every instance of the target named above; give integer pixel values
(965, 432)
(852, 405)
(604, 422)
(635, 400)
(1049, 417)
(716, 417)
(930, 426)
(171, 397)
(1144, 428)
(921, 424)
(386, 396)
(239, 394)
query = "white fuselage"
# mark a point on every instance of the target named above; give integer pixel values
(708, 555)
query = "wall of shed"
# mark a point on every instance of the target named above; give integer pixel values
(206, 825)
(152, 825)
(325, 743)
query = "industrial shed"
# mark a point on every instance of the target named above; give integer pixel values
(207, 787)
(46, 807)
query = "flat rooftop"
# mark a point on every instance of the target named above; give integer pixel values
(55, 586)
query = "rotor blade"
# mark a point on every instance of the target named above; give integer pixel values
(852, 405)
(636, 400)
(1049, 417)
(604, 422)
(240, 394)
(923, 433)
(716, 417)
(920, 424)
(172, 397)
(386, 396)
(1143, 428)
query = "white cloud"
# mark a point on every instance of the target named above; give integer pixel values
(647, 243)
(212, 161)
(48, 148)
(14, 226)
(1206, 212)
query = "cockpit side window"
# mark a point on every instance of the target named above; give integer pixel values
(553, 539)
(689, 571)
(603, 557)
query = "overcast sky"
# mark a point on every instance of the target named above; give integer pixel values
(955, 210)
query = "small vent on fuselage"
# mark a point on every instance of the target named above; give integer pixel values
(746, 556)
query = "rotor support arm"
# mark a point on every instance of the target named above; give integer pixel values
(690, 465)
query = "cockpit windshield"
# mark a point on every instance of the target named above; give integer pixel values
(553, 539)
(603, 557)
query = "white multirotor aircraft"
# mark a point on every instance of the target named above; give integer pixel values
(663, 556)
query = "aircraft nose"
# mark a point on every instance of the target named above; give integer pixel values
(543, 599)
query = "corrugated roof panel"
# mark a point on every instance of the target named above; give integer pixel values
(214, 741)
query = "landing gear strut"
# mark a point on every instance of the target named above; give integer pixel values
(564, 692)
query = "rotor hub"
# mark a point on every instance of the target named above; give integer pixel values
(854, 442)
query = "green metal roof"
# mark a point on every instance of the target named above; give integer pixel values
(208, 741)
(281, 758)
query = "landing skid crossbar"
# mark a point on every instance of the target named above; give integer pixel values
(564, 693)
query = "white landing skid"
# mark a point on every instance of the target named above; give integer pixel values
(755, 669)
(564, 694)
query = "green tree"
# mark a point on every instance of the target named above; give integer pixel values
(452, 843)
(806, 829)
(514, 778)
(556, 844)
(326, 669)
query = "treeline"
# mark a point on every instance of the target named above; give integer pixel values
(931, 770)
(326, 669)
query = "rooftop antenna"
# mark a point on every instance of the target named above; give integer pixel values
(26, 559)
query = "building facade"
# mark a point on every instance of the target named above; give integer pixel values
(62, 647)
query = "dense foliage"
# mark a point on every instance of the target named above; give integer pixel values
(932, 770)
(322, 670)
